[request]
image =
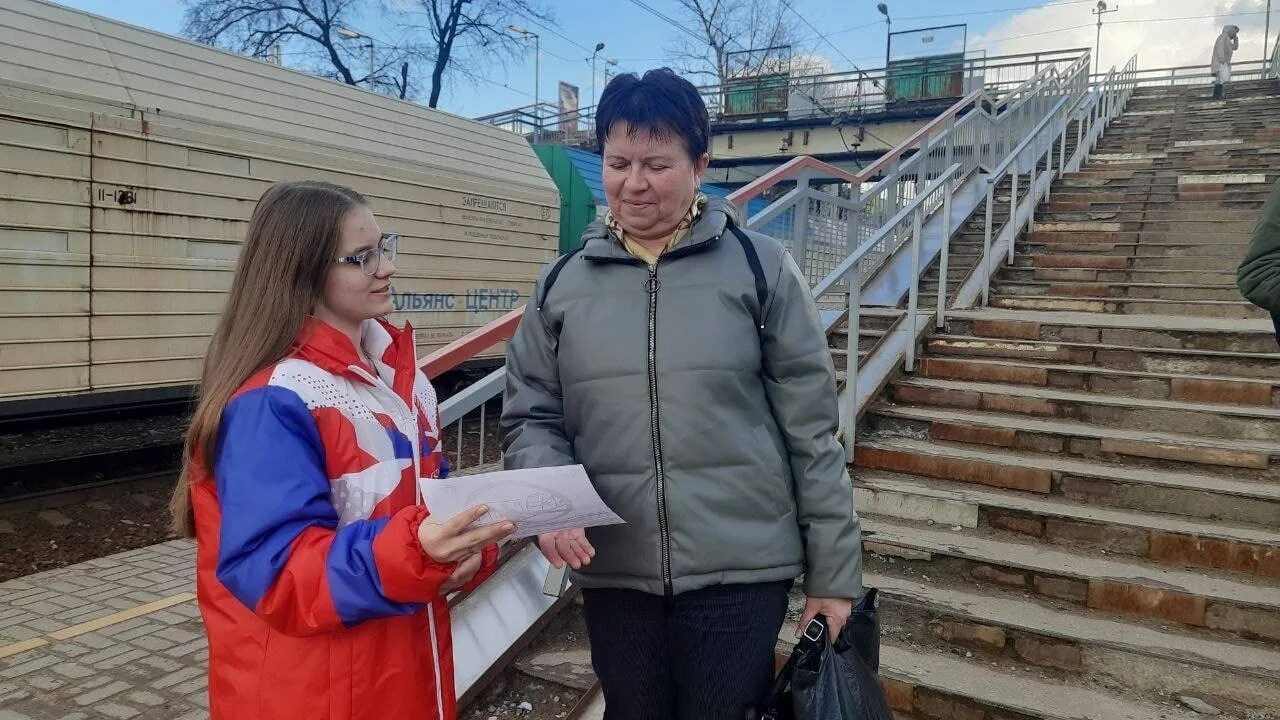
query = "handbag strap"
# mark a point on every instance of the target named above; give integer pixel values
(814, 633)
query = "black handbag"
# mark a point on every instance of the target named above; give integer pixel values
(826, 681)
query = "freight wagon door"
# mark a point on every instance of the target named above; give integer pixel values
(168, 215)
(44, 250)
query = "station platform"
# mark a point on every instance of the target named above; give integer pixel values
(118, 637)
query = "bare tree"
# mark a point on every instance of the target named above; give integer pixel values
(470, 34)
(307, 29)
(741, 30)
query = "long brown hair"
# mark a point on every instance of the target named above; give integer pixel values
(292, 240)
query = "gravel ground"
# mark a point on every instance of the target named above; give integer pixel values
(36, 537)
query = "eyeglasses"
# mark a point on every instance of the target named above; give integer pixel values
(369, 260)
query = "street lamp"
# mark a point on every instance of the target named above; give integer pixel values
(1100, 10)
(537, 61)
(599, 47)
(884, 10)
(347, 33)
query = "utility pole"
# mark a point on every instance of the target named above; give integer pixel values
(1100, 10)
(607, 63)
(537, 72)
(599, 47)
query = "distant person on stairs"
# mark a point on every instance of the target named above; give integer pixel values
(1259, 273)
(1228, 42)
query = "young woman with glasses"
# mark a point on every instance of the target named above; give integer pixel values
(320, 575)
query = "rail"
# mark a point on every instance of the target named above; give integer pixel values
(1197, 74)
(1090, 115)
(792, 96)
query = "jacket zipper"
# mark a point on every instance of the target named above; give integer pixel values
(655, 435)
(412, 415)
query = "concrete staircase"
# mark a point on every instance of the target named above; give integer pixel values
(1073, 505)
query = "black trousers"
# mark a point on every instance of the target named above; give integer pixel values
(701, 655)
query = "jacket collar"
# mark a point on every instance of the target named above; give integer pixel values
(601, 245)
(391, 349)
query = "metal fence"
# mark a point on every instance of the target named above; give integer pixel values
(844, 94)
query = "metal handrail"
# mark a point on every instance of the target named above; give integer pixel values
(1016, 153)
(837, 275)
(470, 345)
(786, 171)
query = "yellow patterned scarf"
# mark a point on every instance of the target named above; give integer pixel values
(682, 229)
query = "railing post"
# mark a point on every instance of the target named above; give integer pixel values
(951, 142)
(913, 300)
(986, 242)
(1013, 211)
(1062, 146)
(853, 345)
(1033, 196)
(800, 224)
(852, 228)
(949, 188)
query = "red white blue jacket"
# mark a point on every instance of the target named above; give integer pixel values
(316, 595)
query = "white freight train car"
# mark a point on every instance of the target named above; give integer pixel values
(130, 162)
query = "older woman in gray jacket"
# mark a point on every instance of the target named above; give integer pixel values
(680, 359)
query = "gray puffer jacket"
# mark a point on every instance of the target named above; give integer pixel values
(712, 437)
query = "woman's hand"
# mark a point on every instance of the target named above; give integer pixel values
(462, 575)
(451, 541)
(567, 546)
(835, 610)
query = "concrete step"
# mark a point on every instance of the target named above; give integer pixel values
(1083, 271)
(1226, 253)
(1136, 207)
(1182, 452)
(1216, 420)
(1222, 264)
(1113, 233)
(1221, 389)
(1135, 217)
(1164, 332)
(999, 627)
(1249, 607)
(933, 684)
(840, 360)
(1010, 287)
(1191, 494)
(1248, 550)
(1240, 309)
(1191, 365)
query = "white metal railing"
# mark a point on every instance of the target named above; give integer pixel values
(822, 228)
(1198, 74)
(1008, 137)
(849, 94)
(1049, 138)
(907, 222)
(1273, 65)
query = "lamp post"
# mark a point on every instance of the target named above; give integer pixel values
(347, 33)
(537, 61)
(884, 10)
(599, 47)
(1100, 10)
